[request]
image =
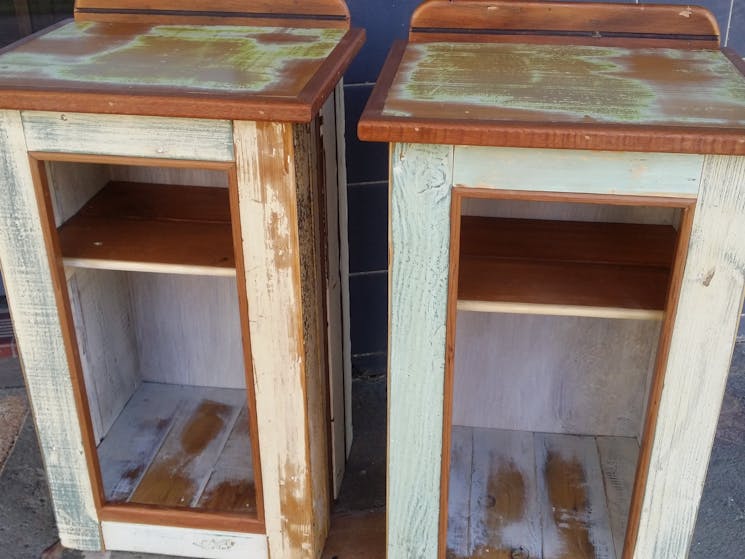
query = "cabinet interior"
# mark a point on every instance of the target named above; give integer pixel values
(559, 314)
(149, 266)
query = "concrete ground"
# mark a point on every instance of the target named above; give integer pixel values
(27, 525)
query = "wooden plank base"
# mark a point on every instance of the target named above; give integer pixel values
(183, 447)
(358, 535)
(538, 495)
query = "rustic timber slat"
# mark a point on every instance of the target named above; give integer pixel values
(218, 71)
(184, 227)
(594, 23)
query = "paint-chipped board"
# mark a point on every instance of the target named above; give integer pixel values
(698, 363)
(603, 172)
(134, 439)
(572, 498)
(505, 516)
(271, 247)
(420, 252)
(459, 492)
(309, 205)
(129, 136)
(182, 466)
(231, 486)
(103, 318)
(618, 458)
(178, 69)
(184, 542)
(38, 331)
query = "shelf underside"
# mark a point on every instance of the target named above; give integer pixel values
(147, 227)
(181, 447)
(611, 270)
(538, 495)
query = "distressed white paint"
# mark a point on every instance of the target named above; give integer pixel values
(701, 349)
(183, 542)
(104, 320)
(501, 457)
(459, 491)
(267, 194)
(338, 373)
(134, 136)
(39, 335)
(591, 515)
(420, 239)
(586, 172)
(618, 458)
(341, 170)
(71, 185)
(552, 374)
(558, 310)
(188, 329)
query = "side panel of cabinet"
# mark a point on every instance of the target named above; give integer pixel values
(698, 363)
(39, 332)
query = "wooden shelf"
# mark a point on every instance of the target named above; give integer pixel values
(610, 270)
(549, 495)
(154, 228)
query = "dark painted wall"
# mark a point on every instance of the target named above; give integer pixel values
(368, 169)
(367, 166)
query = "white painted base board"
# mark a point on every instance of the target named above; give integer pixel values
(183, 542)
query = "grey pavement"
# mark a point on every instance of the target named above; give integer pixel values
(27, 524)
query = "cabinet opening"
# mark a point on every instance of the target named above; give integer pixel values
(558, 333)
(154, 326)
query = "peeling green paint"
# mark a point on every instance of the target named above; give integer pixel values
(212, 58)
(567, 83)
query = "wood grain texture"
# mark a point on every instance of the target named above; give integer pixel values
(419, 252)
(134, 136)
(525, 373)
(505, 513)
(271, 248)
(186, 228)
(611, 98)
(71, 186)
(572, 498)
(698, 362)
(104, 322)
(310, 204)
(320, 13)
(588, 23)
(188, 329)
(336, 235)
(179, 69)
(182, 467)
(618, 459)
(136, 436)
(669, 174)
(187, 542)
(458, 540)
(38, 331)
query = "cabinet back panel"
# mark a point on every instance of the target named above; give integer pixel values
(169, 175)
(188, 329)
(552, 374)
(567, 211)
(72, 185)
(104, 322)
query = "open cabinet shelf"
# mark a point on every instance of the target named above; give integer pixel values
(149, 227)
(530, 266)
(524, 494)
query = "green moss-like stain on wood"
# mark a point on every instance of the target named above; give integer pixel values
(567, 83)
(228, 59)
